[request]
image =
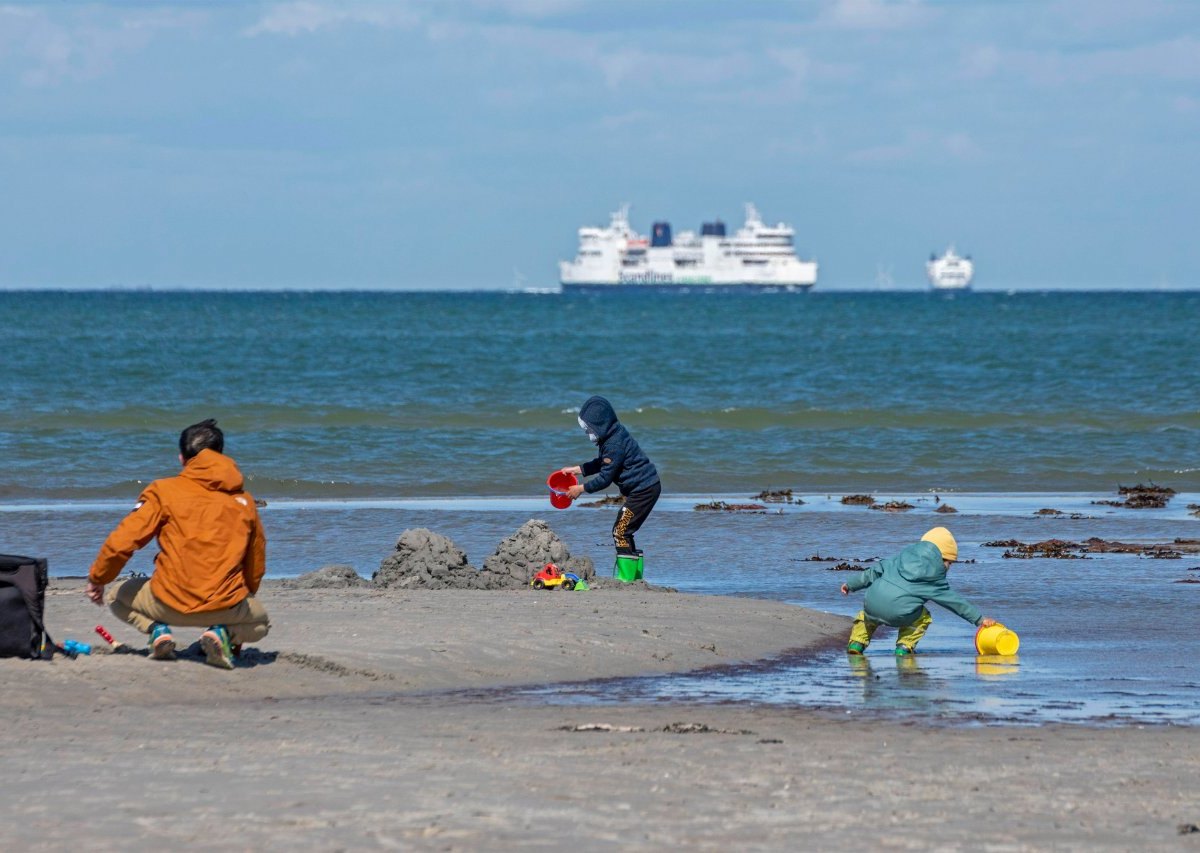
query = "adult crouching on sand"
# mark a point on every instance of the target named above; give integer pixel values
(211, 559)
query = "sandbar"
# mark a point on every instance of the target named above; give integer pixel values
(372, 719)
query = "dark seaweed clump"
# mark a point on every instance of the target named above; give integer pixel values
(777, 496)
(1141, 497)
(893, 506)
(722, 506)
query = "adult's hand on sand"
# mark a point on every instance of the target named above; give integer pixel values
(845, 590)
(94, 591)
(987, 622)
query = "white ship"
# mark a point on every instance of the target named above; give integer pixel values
(758, 257)
(950, 271)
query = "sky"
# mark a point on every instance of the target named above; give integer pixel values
(461, 143)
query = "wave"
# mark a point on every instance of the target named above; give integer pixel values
(424, 416)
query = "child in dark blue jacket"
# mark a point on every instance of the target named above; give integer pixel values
(621, 461)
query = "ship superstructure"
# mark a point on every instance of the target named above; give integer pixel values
(950, 271)
(757, 257)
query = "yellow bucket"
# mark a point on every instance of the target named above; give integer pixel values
(996, 640)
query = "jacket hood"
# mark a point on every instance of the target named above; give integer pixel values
(214, 471)
(598, 414)
(921, 561)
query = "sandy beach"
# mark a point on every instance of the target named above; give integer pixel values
(364, 721)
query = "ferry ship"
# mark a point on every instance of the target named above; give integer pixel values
(757, 258)
(950, 271)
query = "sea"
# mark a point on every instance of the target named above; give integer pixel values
(358, 415)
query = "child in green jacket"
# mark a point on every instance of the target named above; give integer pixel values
(899, 587)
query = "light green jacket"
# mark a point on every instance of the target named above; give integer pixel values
(898, 587)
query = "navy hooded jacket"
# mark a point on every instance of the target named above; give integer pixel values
(621, 460)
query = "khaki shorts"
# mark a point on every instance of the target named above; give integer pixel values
(133, 601)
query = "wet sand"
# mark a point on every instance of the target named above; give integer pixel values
(349, 728)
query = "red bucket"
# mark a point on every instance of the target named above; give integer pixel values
(559, 483)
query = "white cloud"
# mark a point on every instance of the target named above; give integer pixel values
(1186, 105)
(917, 145)
(874, 14)
(961, 146)
(307, 16)
(1176, 59)
(54, 46)
(532, 9)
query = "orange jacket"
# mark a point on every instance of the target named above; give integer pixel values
(212, 550)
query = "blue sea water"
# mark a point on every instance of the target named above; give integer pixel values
(358, 415)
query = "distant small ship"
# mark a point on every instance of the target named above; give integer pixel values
(950, 271)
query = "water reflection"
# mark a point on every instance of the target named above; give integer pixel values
(943, 686)
(991, 666)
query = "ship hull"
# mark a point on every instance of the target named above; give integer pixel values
(672, 287)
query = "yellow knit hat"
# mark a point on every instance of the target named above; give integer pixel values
(944, 540)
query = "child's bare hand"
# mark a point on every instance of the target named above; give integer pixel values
(570, 469)
(845, 590)
(987, 622)
(575, 491)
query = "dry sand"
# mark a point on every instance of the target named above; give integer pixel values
(349, 728)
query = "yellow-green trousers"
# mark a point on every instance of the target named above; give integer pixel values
(910, 635)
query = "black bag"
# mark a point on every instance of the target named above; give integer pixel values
(22, 601)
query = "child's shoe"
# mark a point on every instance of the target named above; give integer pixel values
(217, 649)
(855, 649)
(905, 650)
(162, 644)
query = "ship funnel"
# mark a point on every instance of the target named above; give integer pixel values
(660, 235)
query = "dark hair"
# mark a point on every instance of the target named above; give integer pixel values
(202, 436)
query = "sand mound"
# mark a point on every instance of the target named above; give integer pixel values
(521, 556)
(427, 560)
(327, 577)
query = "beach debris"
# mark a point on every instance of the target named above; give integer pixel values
(327, 577)
(722, 506)
(1188, 580)
(893, 506)
(1048, 511)
(1187, 828)
(1141, 497)
(777, 496)
(260, 503)
(607, 500)
(1195, 508)
(858, 500)
(426, 560)
(701, 729)
(844, 564)
(526, 552)
(945, 508)
(678, 728)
